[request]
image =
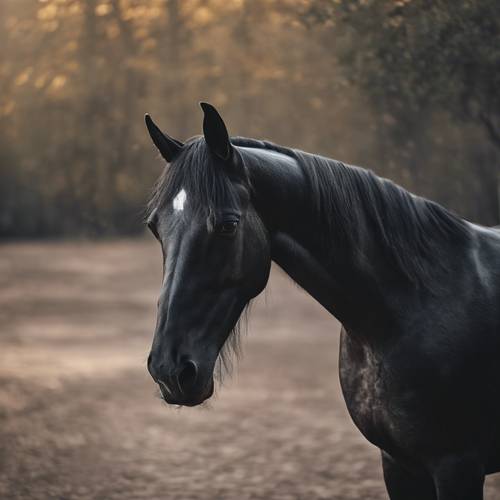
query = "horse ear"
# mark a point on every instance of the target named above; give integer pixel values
(215, 132)
(167, 146)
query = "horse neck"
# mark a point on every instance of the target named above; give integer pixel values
(301, 244)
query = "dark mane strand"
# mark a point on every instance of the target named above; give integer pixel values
(354, 202)
(232, 347)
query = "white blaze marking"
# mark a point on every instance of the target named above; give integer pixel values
(179, 200)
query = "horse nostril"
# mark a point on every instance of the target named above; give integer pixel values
(187, 376)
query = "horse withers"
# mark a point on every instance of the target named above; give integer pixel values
(416, 288)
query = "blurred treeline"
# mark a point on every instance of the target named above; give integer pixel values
(408, 88)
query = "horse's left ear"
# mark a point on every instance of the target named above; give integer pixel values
(167, 146)
(215, 132)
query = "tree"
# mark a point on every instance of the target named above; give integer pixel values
(423, 54)
(77, 76)
(418, 60)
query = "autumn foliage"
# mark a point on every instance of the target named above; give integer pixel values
(77, 76)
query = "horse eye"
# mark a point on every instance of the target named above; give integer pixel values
(227, 228)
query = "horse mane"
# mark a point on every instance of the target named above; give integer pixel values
(349, 201)
(415, 233)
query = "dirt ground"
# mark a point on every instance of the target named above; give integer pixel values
(79, 415)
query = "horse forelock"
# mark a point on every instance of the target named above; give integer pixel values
(193, 171)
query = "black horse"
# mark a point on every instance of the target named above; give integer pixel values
(416, 288)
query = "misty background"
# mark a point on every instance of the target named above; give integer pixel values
(408, 88)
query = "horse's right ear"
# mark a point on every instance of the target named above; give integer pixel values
(167, 146)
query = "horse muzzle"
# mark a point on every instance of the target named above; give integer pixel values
(191, 398)
(184, 384)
